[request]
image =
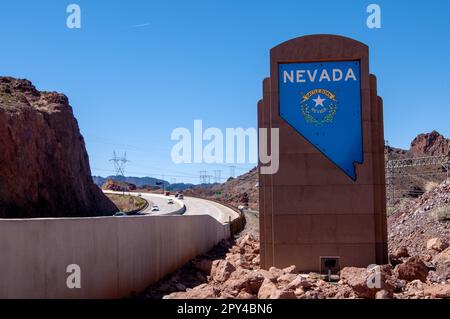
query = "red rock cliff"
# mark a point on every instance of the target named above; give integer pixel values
(44, 167)
(429, 144)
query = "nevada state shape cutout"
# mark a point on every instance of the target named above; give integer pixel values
(322, 102)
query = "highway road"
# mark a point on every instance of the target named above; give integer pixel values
(197, 206)
(194, 206)
(155, 199)
(161, 201)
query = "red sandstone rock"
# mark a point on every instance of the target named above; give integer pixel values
(442, 261)
(243, 280)
(299, 282)
(283, 294)
(366, 283)
(438, 291)
(429, 144)
(45, 167)
(241, 283)
(286, 279)
(401, 252)
(221, 270)
(199, 292)
(413, 268)
(267, 289)
(437, 244)
(290, 270)
(383, 294)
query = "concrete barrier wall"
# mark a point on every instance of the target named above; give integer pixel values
(117, 255)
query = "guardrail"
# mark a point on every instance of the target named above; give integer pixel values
(236, 225)
(134, 212)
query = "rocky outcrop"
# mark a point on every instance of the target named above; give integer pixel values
(113, 185)
(429, 144)
(414, 224)
(45, 168)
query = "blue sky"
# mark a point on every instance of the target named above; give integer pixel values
(131, 86)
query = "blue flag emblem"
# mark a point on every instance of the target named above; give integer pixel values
(322, 102)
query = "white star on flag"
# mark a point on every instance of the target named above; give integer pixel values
(319, 100)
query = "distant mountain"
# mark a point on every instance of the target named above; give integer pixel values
(180, 186)
(138, 181)
(149, 181)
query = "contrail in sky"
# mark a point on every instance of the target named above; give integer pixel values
(138, 25)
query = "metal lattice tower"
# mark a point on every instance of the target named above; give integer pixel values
(232, 171)
(119, 163)
(203, 176)
(217, 176)
(414, 166)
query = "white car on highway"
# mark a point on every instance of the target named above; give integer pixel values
(170, 201)
(155, 208)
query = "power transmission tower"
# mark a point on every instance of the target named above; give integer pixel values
(119, 163)
(217, 176)
(232, 171)
(203, 177)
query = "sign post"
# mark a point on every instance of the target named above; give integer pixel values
(326, 205)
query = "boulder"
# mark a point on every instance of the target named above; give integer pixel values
(290, 270)
(221, 270)
(413, 268)
(286, 278)
(367, 282)
(243, 241)
(243, 280)
(383, 294)
(267, 289)
(442, 262)
(200, 292)
(268, 275)
(437, 244)
(245, 295)
(276, 272)
(438, 291)
(401, 252)
(299, 283)
(283, 294)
